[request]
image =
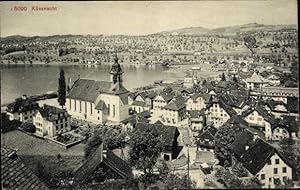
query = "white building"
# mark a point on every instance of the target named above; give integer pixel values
(51, 121)
(265, 163)
(99, 101)
(198, 101)
(256, 82)
(22, 109)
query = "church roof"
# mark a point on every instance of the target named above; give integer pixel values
(89, 90)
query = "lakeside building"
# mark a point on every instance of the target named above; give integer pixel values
(22, 109)
(51, 121)
(100, 101)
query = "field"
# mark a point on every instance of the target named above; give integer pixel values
(33, 150)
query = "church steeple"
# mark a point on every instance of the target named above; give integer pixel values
(116, 71)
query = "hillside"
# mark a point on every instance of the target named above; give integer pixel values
(230, 30)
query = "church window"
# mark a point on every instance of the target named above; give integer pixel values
(114, 110)
(79, 106)
(108, 105)
(91, 109)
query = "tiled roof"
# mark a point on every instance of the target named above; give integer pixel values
(134, 119)
(15, 175)
(52, 113)
(121, 167)
(258, 154)
(89, 90)
(262, 111)
(176, 104)
(138, 103)
(21, 105)
(168, 133)
(206, 97)
(256, 78)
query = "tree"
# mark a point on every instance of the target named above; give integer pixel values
(62, 88)
(93, 143)
(176, 181)
(28, 127)
(223, 78)
(238, 169)
(144, 149)
(223, 139)
(250, 43)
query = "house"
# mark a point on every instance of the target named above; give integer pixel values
(102, 166)
(219, 112)
(260, 117)
(129, 123)
(189, 82)
(263, 161)
(99, 101)
(51, 121)
(256, 82)
(187, 92)
(22, 109)
(196, 119)
(15, 175)
(279, 108)
(162, 99)
(169, 136)
(174, 112)
(198, 101)
(206, 139)
(279, 93)
(139, 106)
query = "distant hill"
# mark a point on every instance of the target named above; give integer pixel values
(230, 30)
(187, 31)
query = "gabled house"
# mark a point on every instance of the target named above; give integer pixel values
(22, 109)
(162, 99)
(206, 139)
(263, 161)
(169, 136)
(50, 121)
(15, 175)
(130, 123)
(219, 112)
(260, 117)
(102, 166)
(198, 101)
(186, 92)
(256, 82)
(174, 112)
(196, 119)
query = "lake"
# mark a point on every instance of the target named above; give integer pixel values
(37, 79)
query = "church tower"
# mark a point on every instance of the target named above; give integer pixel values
(116, 72)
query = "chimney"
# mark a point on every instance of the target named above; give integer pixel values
(255, 136)
(24, 96)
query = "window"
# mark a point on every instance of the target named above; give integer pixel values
(284, 170)
(108, 107)
(262, 176)
(70, 105)
(79, 106)
(276, 161)
(74, 105)
(85, 107)
(91, 108)
(275, 170)
(114, 110)
(270, 162)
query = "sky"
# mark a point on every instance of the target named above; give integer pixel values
(139, 18)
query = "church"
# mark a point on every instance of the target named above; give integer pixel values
(99, 101)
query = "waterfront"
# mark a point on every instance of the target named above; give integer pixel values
(36, 79)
